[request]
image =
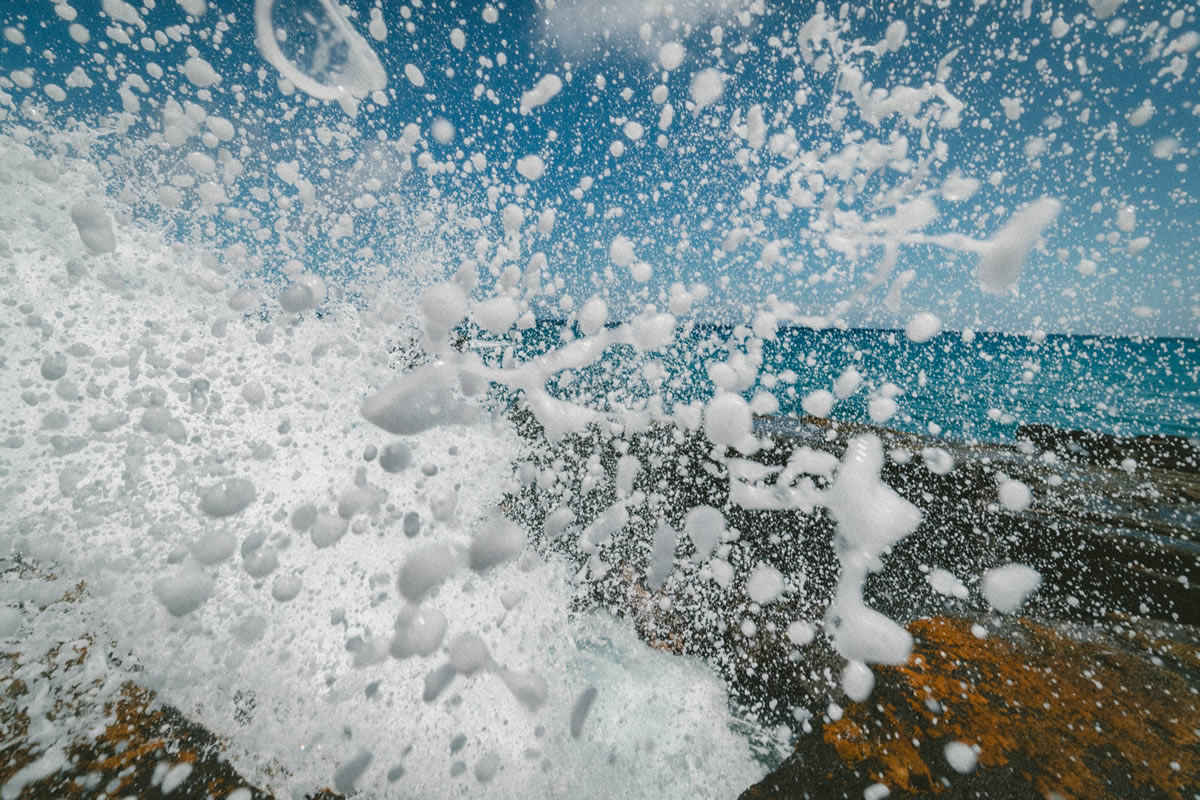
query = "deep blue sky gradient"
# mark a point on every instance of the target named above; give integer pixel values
(656, 196)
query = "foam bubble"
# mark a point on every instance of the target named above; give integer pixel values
(1007, 588)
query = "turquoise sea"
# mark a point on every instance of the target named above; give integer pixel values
(977, 386)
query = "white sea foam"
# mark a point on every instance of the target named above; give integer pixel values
(197, 562)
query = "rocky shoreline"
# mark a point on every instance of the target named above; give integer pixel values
(1044, 709)
(1112, 529)
(1091, 692)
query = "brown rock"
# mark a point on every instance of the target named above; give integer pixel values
(1072, 712)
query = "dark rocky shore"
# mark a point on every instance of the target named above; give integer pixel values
(1095, 692)
(131, 757)
(1091, 692)
(1053, 709)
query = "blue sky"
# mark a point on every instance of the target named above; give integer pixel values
(1037, 121)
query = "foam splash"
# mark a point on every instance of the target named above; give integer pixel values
(342, 65)
(181, 510)
(261, 435)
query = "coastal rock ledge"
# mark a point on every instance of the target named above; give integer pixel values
(1048, 710)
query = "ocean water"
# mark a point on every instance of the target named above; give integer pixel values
(964, 385)
(283, 284)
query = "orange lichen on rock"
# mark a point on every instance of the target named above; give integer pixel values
(1080, 718)
(123, 759)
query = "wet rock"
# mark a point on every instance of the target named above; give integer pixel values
(1048, 709)
(124, 759)
(141, 747)
(1159, 451)
(1104, 540)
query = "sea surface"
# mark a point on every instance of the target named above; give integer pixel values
(964, 385)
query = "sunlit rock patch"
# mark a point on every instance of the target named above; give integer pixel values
(145, 749)
(1046, 710)
(122, 740)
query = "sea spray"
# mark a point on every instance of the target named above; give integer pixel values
(369, 438)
